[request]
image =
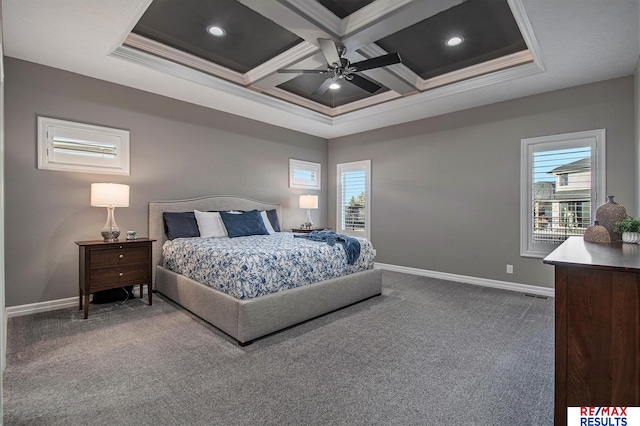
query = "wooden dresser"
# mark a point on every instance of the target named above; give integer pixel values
(105, 265)
(597, 325)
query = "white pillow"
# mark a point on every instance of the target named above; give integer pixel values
(210, 224)
(267, 222)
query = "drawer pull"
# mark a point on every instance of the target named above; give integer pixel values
(121, 274)
(121, 256)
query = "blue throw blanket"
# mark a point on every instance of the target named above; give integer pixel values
(351, 245)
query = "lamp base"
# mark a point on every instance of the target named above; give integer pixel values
(110, 236)
(309, 222)
(110, 231)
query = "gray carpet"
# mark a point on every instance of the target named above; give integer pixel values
(426, 352)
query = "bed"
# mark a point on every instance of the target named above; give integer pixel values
(248, 319)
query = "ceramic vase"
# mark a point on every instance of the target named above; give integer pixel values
(597, 234)
(608, 214)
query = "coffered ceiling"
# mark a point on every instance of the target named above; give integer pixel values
(510, 48)
(258, 41)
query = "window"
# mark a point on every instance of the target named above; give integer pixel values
(354, 198)
(562, 183)
(69, 146)
(563, 179)
(304, 174)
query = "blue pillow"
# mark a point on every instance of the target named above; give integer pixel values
(244, 224)
(180, 225)
(272, 215)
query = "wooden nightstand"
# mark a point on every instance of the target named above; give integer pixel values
(306, 231)
(105, 265)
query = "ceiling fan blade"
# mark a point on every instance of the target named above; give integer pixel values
(329, 50)
(323, 87)
(363, 83)
(290, 71)
(377, 62)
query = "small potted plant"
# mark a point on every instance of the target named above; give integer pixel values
(629, 228)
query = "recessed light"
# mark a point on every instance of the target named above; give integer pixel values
(454, 41)
(215, 30)
(334, 86)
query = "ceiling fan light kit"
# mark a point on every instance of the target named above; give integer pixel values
(339, 67)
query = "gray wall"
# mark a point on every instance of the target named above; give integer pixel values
(178, 151)
(446, 190)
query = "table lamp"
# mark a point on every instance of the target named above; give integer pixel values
(110, 195)
(308, 202)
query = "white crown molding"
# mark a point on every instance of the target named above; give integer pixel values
(155, 48)
(303, 102)
(135, 18)
(163, 65)
(520, 16)
(387, 96)
(415, 101)
(335, 111)
(504, 62)
(504, 285)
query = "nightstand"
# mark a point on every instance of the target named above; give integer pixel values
(105, 265)
(306, 231)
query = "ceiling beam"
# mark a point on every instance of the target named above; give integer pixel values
(367, 26)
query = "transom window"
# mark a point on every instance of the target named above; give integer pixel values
(78, 147)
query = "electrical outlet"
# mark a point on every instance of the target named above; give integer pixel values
(509, 269)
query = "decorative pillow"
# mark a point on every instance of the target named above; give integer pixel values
(180, 225)
(273, 218)
(267, 224)
(210, 224)
(244, 224)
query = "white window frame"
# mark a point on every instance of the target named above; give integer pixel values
(364, 165)
(594, 138)
(78, 147)
(314, 169)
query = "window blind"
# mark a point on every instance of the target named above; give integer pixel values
(70, 146)
(353, 198)
(561, 194)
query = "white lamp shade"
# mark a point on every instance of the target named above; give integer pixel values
(308, 201)
(109, 194)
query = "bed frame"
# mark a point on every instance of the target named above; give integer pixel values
(247, 320)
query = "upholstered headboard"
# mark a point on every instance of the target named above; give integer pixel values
(208, 203)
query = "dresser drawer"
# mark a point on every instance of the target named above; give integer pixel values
(113, 276)
(118, 256)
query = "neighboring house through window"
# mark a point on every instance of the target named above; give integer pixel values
(354, 198)
(563, 181)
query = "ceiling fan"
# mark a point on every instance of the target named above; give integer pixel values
(339, 67)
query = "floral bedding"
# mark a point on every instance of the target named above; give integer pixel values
(252, 266)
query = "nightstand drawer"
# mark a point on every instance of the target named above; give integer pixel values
(124, 274)
(118, 256)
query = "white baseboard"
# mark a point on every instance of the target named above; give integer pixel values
(32, 308)
(521, 288)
